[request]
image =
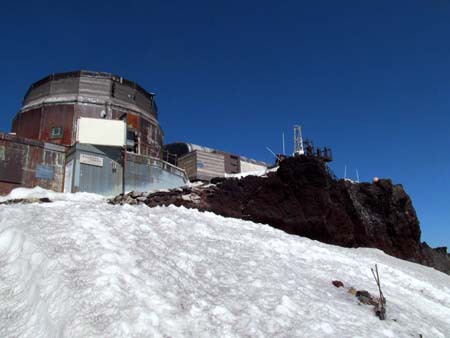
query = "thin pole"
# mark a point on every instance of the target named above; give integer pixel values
(284, 153)
(345, 171)
(357, 176)
(270, 150)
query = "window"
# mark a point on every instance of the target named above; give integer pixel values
(57, 132)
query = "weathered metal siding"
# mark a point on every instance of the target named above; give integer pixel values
(189, 163)
(210, 165)
(232, 164)
(38, 92)
(57, 116)
(64, 86)
(201, 165)
(144, 173)
(27, 124)
(105, 179)
(95, 87)
(143, 101)
(30, 163)
(150, 136)
(11, 161)
(60, 99)
(84, 110)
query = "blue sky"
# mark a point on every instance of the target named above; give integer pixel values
(369, 79)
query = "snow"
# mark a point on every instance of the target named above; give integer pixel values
(262, 173)
(79, 267)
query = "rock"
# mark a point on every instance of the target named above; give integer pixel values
(304, 198)
(338, 283)
(365, 297)
(135, 194)
(27, 201)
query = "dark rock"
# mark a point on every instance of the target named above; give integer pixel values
(304, 198)
(217, 180)
(338, 283)
(27, 201)
(365, 297)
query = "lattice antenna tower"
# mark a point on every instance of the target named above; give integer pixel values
(298, 141)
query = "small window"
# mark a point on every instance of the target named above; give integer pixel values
(57, 132)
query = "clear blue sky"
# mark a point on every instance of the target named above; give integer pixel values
(371, 79)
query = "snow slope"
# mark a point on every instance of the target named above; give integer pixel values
(79, 267)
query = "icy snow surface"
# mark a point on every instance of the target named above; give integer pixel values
(79, 267)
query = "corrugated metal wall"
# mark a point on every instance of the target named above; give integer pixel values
(97, 169)
(95, 87)
(144, 173)
(30, 163)
(201, 165)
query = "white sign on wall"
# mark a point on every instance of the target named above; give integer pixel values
(91, 160)
(68, 174)
(101, 132)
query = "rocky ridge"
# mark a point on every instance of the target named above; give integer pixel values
(304, 198)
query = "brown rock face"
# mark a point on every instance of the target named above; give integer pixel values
(303, 198)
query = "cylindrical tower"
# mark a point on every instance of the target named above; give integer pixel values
(52, 106)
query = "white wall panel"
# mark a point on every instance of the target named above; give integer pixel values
(101, 132)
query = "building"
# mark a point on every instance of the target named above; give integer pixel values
(53, 105)
(203, 163)
(86, 131)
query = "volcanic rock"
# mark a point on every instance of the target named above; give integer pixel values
(304, 198)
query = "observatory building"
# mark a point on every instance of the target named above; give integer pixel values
(53, 105)
(86, 131)
(98, 132)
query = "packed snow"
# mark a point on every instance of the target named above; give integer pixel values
(262, 173)
(79, 267)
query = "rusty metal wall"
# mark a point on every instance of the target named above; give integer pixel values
(30, 163)
(57, 116)
(60, 99)
(27, 124)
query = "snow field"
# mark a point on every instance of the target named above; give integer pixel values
(79, 267)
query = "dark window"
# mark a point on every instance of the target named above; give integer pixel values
(57, 132)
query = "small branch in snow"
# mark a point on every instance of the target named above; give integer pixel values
(380, 308)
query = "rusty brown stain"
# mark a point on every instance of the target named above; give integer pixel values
(132, 121)
(22, 157)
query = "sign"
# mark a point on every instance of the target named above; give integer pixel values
(101, 132)
(68, 174)
(44, 172)
(91, 160)
(200, 165)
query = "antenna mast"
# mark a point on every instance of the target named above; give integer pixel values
(298, 141)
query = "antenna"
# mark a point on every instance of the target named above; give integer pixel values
(284, 153)
(345, 172)
(298, 141)
(270, 150)
(357, 176)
